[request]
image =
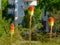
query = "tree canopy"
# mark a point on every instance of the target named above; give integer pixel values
(50, 4)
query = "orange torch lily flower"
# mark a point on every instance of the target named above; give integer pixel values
(11, 28)
(31, 10)
(51, 21)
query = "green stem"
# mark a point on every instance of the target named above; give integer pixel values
(50, 34)
(30, 30)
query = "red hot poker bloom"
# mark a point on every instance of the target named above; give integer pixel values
(31, 8)
(12, 26)
(51, 19)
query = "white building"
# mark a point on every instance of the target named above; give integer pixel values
(19, 8)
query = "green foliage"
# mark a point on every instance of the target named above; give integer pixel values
(37, 14)
(50, 4)
(4, 26)
(4, 4)
(25, 22)
(5, 19)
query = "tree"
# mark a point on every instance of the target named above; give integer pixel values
(4, 4)
(50, 4)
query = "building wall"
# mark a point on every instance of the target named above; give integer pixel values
(19, 11)
(11, 1)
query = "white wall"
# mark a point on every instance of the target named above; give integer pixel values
(11, 1)
(19, 11)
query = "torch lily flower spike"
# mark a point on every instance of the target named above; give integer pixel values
(51, 21)
(11, 28)
(31, 10)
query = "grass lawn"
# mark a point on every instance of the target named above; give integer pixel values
(5, 39)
